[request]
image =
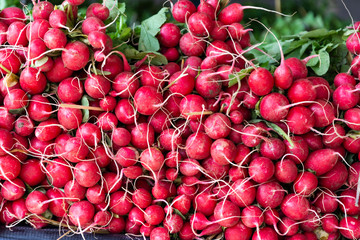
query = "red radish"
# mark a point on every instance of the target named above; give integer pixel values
(31, 172)
(55, 39)
(16, 99)
(90, 133)
(181, 83)
(58, 206)
(37, 202)
(288, 226)
(300, 120)
(13, 190)
(58, 19)
(350, 227)
(252, 217)
(69, 118)
(305, 183)
(297, 67)
(326, 201)
(81, 213)
(200, 24)
(152, 159)
(321, 161)
(270, 195)
(352, 43)
(171, 54)
(32, 81)
(160, 233)
(227, 214)
(322, 87)
(335, 178)
(299, 151)
(12, 14)
(352, 118)
(244, 192)
(98, 10)
(219, 31)
(330, 223)
(198, 146)
(87, 173)
(147, 100)
(76, 55)
(182, 10)
(265, 233)
(273, 148)
(302, 90)
(208, 84)
(295, 206)
(16, 34)
(191, 46)
(58, 172)
(273, 107)
(142, 136)
(58, 72)
(261, 81)
(239, 230)
(346, 97)
(348, 202)
(192, 106)
(261, 169)
(74, 191)
(324, 113)
(154, 214)
(192, 65)
(37, 29)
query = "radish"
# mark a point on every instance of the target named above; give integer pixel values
(335, 178)
(345, 97)
(200, 24)
(217, 126)
(37, 202)
(74, 191)
(261, 169)
(295, 206)
(31, 172)
(147, 100)
(349, 227)
(81, 213)
(42, 10)
(58, 173)
(75, 56)
(58, 206)
(326, 201)
(16, 34)
(305, 183)
(58, 19)
(182, 10)
(243, 192)
(273, 148)
(300, 120)
(261, 81)
(13, 190)
(58, 72)
(270, 195)
(87, 173)
(226, 213)
(301, 90)
(120, 203)
(239, 230)
(321, 161)
(352, 118)
(12, 14)
(55, 39)
(265, 233)
(191, 46)
(297, 67)
(273, 107)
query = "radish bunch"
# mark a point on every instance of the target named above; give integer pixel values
(92, 141)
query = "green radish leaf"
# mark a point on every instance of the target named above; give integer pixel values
(281, 132)
(179, 213)
(318, 33)
(47, 214)
(236, 77)
(99, 72)
(324, 63)
(41, 61)
(86, 112)
(149, 29)
(154, 57)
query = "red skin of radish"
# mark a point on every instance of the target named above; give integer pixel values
(252, 217)
(75, 150)
(81, 213)
(37, 29)
(297, 67)
(251, 135)
(60, 143)
(159, 233)
(344, 78)
(169, 35)
(58, 207)
(57, 19)
(219, 31)
(354, 175)
(220, 51)
(301, 90)
(321, 161)
(10, 60)
(283, 76)
(102, 218)
(159, 121)
(58, 72)
(74, 191)
(352, 43)
(95, 194)
(108, 103)
(273, 149)
(42, 10)
(261, 169)
(35, 202)
(299, 152)
(270, 195)
(14, 190)
(191, 46)
(154, 214)
(288, 227)
(47, 66)
(112, 182)
(326, 201)
(127, 156)
(227, 213)
(87, 173)
(12, 14)
(152, 76)
(335, 178)
(345, 97)
(125, 83)
(273, 107)
(208, 84)
(181, 83)
(147, 99)
(116, 225)
(261, 81)
(182, 10)
(32, 81)
(97, 39)
(217, 126)
(142, 136)
(55, 38)
(58, 172)
(348, 202)
(36, 48)
(244, 193)
(198, 146)
(112, 64)
(152, 159)
(330, 223)
(19, 208)
(6, 142)
(121, 137)
(16, 34)
(192, 65)
(350, 227)
(215, 170)
(90, 133)
(70, 118)
(169, 139)
(124, 111)
(182, 203)
(31, 172)
(352, 145)
(173, 223)
(76, 55)
(6, 119)
(352, 118)
(232, 13)
(192, 104)
(15, 99)
(322, 87)
(223, 151)
(198, 221)
(295, 206)
(324, 113)
(98, 10)
(92, 24)
(189, 167)
(200, 24)
(141, 198)
(97, 86)
(305, 183)
(70, 90)
(265, 233)
(205, 203)
(300, 120)
(48, 130)
(238, 232)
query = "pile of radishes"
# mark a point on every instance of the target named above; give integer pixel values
(91, 141)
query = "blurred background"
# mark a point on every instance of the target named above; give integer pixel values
(309, 14)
